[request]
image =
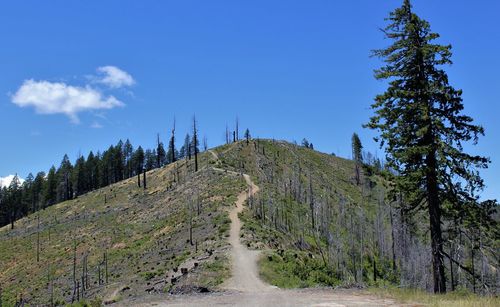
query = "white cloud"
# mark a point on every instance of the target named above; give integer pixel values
(5, 181)
(60, 98)
(96, 125)
(114, 77)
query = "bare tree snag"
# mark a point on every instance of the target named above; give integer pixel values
(172, 145)
(311, 202)
(190, 212)
(74, 270)
(106, 266)
(37, 241)
(195, 144)
(237, 129)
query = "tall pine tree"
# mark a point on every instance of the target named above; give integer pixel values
(422, 127)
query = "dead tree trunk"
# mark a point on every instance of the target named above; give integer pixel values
(74, 268)
(452, 278)
(37, 240)
(353, 252)
(393, 243)
(198, 205)
(144, 179)
(99, 279)
(190, 209)
(237, 129)
(50, 285)
(195, 144)
(106, 266)
(311, 202)
(78, 291)
(473, 269)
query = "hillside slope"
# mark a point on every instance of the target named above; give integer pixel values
(315, 223)
(145, 235)
(320, 226)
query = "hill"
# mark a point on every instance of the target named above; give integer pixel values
(316, 222)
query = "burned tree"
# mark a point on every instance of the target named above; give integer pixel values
(237, 129)
(171, 146)
(195, 144)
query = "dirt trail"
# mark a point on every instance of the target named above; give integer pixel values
(245, 274)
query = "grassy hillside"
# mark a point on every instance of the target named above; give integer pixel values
(145, 234)
(317, 224)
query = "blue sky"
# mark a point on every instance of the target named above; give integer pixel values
(288, 69)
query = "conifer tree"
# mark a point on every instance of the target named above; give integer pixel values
(186, 148)
(150, 159)
(422, 127)
(27, 202)
(161, 155)
(138, 158)
(14, 199)
(247, 136)
(65, 188)
(128, 150)
(356, 148)
(79, 177)
(50, 191)
(357, 156)
(117, 162)
(38, 185)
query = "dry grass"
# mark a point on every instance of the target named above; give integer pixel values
(454, 299)
(143, 232)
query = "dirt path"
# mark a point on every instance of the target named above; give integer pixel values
(245, 273)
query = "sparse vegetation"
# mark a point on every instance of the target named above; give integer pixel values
(458, 298)
(143, 231)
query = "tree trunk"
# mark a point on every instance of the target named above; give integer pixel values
(393, 243)
(435, 226)
(473, 267)
(106, 266)
(452, 279)
(37, 240)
